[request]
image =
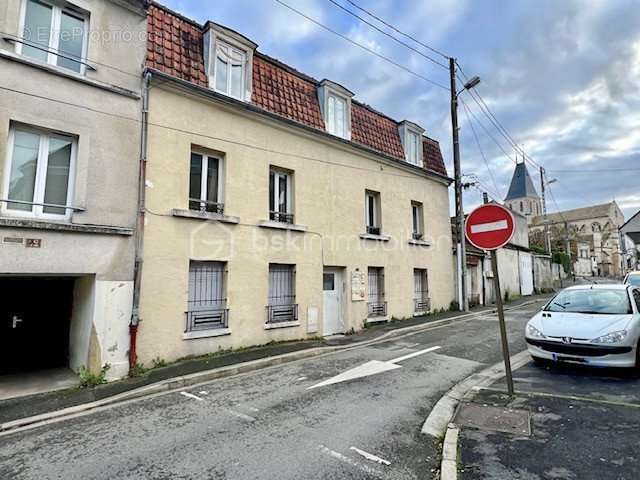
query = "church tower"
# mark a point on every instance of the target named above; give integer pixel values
(522, 197)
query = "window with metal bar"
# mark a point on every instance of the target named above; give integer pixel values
(372, 212)
(207, 303)
(39, 177)
(376, 306)
(282, 305)
(421, 299)
(54, 34)
(417, 220)
(205, 186)
(280, 195)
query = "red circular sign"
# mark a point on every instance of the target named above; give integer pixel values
(489, 226)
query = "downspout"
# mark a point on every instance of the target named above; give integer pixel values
(137, 273)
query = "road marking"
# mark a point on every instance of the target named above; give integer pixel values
(203, 393)
(414, 354)
(191, 395)
(248, 418)
(300, 379)
(370, 368)
(371, 456)
(353, 463)
(489, 227)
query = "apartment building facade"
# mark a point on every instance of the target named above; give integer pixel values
(70, 93)
(277, 206)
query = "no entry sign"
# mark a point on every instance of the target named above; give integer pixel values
(489, 226)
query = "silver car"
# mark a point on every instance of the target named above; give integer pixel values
(595, 325)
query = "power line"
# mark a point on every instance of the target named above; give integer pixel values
(204, 135)
(364, 47)
(487, 132)
(389, 35)
(88, 60)
(372, 15)
(475, 135)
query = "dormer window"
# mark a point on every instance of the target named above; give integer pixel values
(335, 105)
(337, 116)
(230, 70)
(228, 61)
(411, 137)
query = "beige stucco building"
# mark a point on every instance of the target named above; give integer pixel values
(70, 149)
(277, 206)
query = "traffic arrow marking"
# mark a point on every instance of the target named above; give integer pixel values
(372, 367)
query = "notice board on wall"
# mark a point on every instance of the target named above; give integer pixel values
(357, 286)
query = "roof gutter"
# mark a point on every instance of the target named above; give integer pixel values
(249, 107)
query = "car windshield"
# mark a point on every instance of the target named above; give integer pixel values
(634, 280)
(600, 301)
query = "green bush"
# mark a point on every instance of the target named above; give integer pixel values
(90, 379)
(158, 363)
(138, 370)
(454, 306)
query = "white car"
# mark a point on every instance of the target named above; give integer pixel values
(595, 325)
(632, 278)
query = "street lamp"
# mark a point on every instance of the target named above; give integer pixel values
(461, 253)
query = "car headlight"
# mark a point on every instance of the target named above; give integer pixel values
(613, 337)
(534, 332)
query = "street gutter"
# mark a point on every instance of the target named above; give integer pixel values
(206, 376)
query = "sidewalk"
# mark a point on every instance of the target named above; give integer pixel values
(572, 440)
(217, 365)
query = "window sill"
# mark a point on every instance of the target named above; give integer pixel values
(271, 326)
(55, 70)
(379, 238)
(176, 212)
(282, 226)
(218, 332)
(377, 319)
(421, 243)
(64, 226)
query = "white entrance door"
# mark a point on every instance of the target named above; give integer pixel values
(332, 292)
(526, 273)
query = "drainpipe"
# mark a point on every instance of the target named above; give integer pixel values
(137, 273)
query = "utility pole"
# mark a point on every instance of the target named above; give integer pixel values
(568, 246)
(547, 239)
(461, 253)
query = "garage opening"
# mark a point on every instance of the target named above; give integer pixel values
(35, 315)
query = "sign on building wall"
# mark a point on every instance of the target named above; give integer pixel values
(358, 286)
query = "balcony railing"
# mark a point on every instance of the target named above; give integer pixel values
(281, 217)
(376, 309)
(207, 319)
(282, 313)
(371, 230)
(206, 206)
(422, 305)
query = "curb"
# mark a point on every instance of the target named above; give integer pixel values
(228, 371)
(439, 422)
(449, 464)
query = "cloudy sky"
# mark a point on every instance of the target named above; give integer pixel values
(563, 77)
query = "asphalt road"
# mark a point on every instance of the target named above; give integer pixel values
(268, 424)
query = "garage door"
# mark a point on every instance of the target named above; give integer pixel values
(526, 274)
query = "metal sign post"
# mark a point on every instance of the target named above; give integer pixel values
(503, 326)
(490, 227)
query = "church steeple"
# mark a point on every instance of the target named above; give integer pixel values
(522, 196)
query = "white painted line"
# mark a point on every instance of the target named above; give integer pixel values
(203, 393)
(414, 354)
(191, 395)
(372, 367)
(489, 227)
(300, 379)
(353, 463)
(248, 418)
(371, 456)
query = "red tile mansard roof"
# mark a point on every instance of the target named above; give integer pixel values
(175, 47)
